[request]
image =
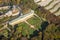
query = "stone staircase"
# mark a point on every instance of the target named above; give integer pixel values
(52, 5)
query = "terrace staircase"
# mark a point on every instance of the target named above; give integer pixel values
(52, 5)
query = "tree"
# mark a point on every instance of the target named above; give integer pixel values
(51, 32)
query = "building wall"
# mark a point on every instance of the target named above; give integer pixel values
(21, 18)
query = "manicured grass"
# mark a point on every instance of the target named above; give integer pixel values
(24, 29)
(35, 21)
(22, 26)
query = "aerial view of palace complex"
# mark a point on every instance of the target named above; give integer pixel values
(29, 19)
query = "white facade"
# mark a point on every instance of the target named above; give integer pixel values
(36, 1)
(10, 13)
(15, 11)
(22, 18)
(5, 7)
(43, 0)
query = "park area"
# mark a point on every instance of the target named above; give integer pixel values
(25, 29)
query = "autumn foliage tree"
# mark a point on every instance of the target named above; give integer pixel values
(51, 32)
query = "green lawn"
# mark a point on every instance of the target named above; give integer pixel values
(25, 29)
(35, 21)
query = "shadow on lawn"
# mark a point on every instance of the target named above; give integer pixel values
(43, 26)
